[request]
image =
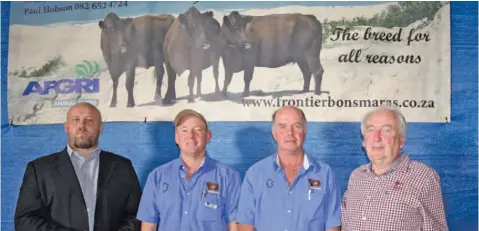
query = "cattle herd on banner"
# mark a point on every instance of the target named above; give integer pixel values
(195, 41)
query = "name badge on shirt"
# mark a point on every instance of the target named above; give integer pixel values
(210, 205)
(212, 187)
(314, 184)
(398, 185)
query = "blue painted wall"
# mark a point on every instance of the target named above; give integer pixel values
(450, 148)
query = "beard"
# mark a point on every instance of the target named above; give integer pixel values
(85, 143)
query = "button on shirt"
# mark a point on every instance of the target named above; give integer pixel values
(312, 203)
(205, 202)
(86, 170)
(407, 197)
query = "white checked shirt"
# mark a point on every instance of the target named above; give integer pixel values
(406, 198)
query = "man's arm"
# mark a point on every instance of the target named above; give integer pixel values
(246, 204)
(344, 214)
(333, 204)
(334, 229)
(245, 227)
(232, 226)
(130, 223)
(233, 190)
(432, 205)
(148, 213)
(145, 226)
(31, 213)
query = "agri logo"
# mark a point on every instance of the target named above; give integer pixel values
(87, 81)
(88, 69)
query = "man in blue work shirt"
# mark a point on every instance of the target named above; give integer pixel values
(290, 190)
(193, 192)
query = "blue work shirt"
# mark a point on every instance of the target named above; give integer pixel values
(207, 201)
(312, 203)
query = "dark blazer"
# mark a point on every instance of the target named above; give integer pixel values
(51, 198)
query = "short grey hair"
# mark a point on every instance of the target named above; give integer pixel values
(301, 112)
(397, 113)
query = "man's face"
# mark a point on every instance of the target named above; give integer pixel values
(192, 136)
(289, 130)
(382, 140)
(83, 126)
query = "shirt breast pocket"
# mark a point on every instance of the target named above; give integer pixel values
(315, 204)
(315, 207)
(210, 208)
(401, 204)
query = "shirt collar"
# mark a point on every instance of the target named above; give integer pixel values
(401, 164)
(207, 161)
(93, 154)
(306, 162)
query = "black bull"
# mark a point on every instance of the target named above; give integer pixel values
(130, 43)
(194, 41)
(271, 41)
(191, 44)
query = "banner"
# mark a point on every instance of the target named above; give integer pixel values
(232, 61)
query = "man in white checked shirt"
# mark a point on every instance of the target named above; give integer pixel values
(392, 192)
